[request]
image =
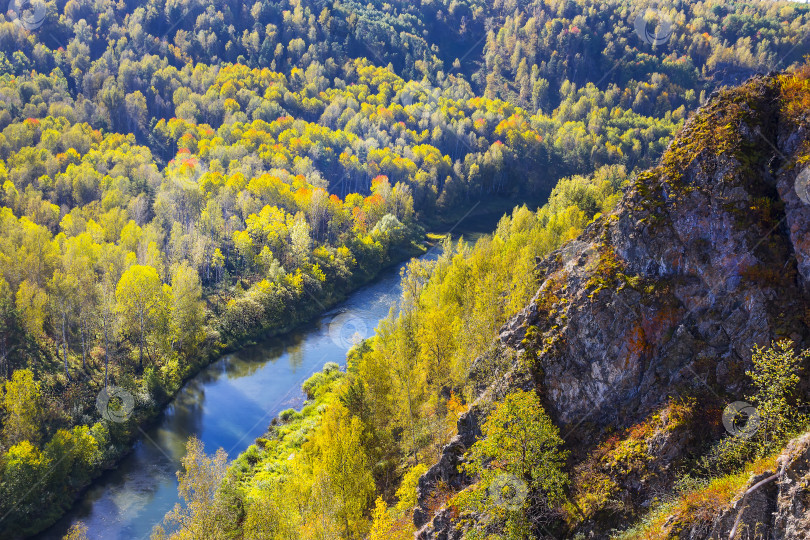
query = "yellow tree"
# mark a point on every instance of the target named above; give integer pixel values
(395, 523)
(272, 510)
(31, 302)
(23, 404)
(343, 471)
(187, 308)
(105, 290)
(78, 262)
(77, 531)
(63, 288)
(520, 464)
(24, 467)
(203, 516)
(142, 301)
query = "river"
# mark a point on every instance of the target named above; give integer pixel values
(228, 405)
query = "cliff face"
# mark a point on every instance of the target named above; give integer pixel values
(772, 504)
(707, 255)
(698, 263)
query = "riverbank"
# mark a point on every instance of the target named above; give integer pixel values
(228, 404)
(125, 435)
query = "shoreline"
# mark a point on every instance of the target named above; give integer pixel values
(143, 419)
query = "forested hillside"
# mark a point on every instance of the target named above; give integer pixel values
(317, 471)
(179, 178)
(526, 392)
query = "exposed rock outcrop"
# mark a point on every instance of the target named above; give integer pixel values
(706, 255)
(792, 517)
(773, 504)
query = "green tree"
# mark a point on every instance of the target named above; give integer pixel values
(775, 377)
(521, 449)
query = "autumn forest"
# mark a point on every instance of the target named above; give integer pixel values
(182, 178)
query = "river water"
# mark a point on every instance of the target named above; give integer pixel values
(227, 405)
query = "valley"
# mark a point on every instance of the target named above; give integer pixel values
(447, 269)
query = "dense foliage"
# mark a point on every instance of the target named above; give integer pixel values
(375, 427)
(177, 178)
(137, 277)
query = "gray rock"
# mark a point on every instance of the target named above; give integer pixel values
(699, 262)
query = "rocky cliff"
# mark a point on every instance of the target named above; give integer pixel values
(772, 504)
(707, 255)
